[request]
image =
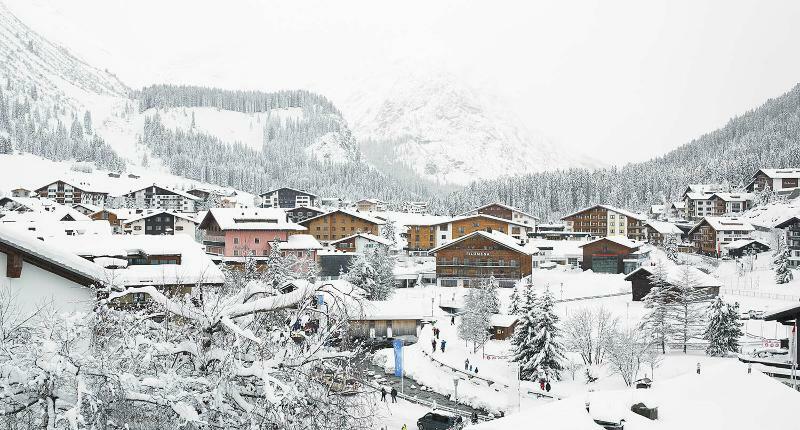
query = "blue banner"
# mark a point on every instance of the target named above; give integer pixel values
(398, 357)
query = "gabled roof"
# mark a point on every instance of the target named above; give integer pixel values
(297, 242)
(741, 243)
(662, 227)
(150, 214)
(788, 173)
(303, 208)
(678, 205)
(495, 236)
(675, 274)
(172, 190)
(491, 217)
(89, 206)
(511, 208)
(735, 197)
(625, 212)
(719, 223)
(619, 240)
(355, 214)
(705, 188)
(502, 320)
(788, 222)
(287, 188)
(31, 203)
(250, 219)
(374, 201)
(83, 187)
(370, 237)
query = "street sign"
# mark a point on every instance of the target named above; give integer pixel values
(771, 343)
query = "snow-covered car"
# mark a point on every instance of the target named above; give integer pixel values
(756, 314)
(610, 425)
(440, 420)
(744, 316)
(770, 352)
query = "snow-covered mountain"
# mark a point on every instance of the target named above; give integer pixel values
(449, 132)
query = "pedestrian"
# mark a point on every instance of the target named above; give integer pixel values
(466, 364)
(394, 395)
(749, 368)
(444, 342)
(404, 427)
(541, 384)
(476, 370)
(433, 344)
(470, 368)
(453, 320)
(698, 368)
(547, 386)
(436, 332)
(383, 394)
(474, 417)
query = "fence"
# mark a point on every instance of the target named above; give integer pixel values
(575, 299)
(761, 295)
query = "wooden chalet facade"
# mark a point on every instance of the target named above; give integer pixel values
(473, 258)
(605, 220)
(641, 283)
(609, 255)
(499, 210)
(712, 233)
(303, 213)
(791, 228)
(340, 224)
(66, 193)
(287, 198)
(774, 179)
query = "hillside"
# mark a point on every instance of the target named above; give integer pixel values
(447, 131)
(768, 136)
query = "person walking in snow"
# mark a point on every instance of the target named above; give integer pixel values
(393, 393)
(547, 386)
(541, 384)
(433, 345)
(444, 342)
(466, 364)
(698, 368)
(436, 332)
(749, 368)
(474, 418)
(383, 394)
(476, 370)
(453, 320)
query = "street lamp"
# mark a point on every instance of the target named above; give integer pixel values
(455, 388)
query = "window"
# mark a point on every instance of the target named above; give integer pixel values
(178, 228)
(266, 252)
(235, 252)
(149, 227)
(137, 227)
(235, 240)
(257, 241)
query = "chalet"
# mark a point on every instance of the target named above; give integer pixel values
(502, 326)
(742, 247)
(385, 319)
(560, 252)
(21, 192)
(500, 210)
(341, 223)
(303, 213)
(732, 203)
(67, 193)
(676, 210)
(471, 259)
(675, 276)
(302, 246)
(86, 208)
(774, 179)
(712, 233)
(27, 204)
(242, 232)
(371, 205)
(288, 198)
(466, 224)
(791, 228)
(658, 211)
(361, 243)
(611, 254)
(115, 217)
(422, 233)
(658, 231)
(605, 220)
(161, 223)
(415, 207)
(159, 198)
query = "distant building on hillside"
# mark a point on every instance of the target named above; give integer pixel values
(67, 193)
(361, 243)
(500, 210)
(415, 207)
(605, 220)
(791, 229)
(371, 205)
(161, 223)
(658, 231)
(158, 197)
(774, 179)
(234, 233)
(303, 213)
(287, 198)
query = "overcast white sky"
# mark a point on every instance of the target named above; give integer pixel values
(619, 80)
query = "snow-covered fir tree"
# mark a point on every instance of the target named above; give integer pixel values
(389, 232)
(724, 328)
(514, 301)
(671, 248)
(537, 341)
(656, 321)
(475, 320)
(687, 308)
(382, 264)
(491, 295)
(780, 263)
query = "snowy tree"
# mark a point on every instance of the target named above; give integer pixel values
(87, 122)
(514, 301)
(780, 262)
(388, 231)
(537, 341)
(360, 273)
(382, 264)
(671, 247)
(687, 308)
(656, 321)
(6, 147)
(626, 349)
(279, 267)
(724, 329)
(490, 295)
(586, 332)
(475, 320)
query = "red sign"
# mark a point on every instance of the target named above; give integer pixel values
(771, 343)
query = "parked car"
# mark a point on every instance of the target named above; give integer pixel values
(744, 316)
(611, 425)
(756, 315)
(440, 420)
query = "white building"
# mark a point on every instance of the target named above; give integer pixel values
(158, 197)
(161, 223)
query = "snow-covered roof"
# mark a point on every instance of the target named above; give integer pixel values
(699, 196)
(657, 209)
(355, 214)
(31, 203)
(620, 240)
(706, 188)
(787, 222)
(502, 205)
(297, 242)
(367, 236)
(663, 227)
(422, 220)
(495, 236)
(719, 223)
(83, 186)
(679, 205)
(251, 219)
(50, 252)
(735, 197)
(491, 217)
(741, 243)
(502, 320)
(154, 213)
(172, 190)
(625, 212)
(559, 248)
(788, 173)
(396, 309)
(287, 188)
(675, 275)
(89, 206)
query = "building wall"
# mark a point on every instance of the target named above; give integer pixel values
(155, 197)
(288, 198)
(362, 328)
(422, 237)
(480, 258)
(497, 211)
(66, 194)
(593, 221)
(705, 239)
(793, 243)
(339, 225)
(604, 248)
(239, 243)
(466, 226)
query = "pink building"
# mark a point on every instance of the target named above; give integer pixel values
(241, 232)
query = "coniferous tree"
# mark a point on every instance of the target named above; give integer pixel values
(724, 329)
(514, 305)
(656, 322)
(780, 263)
(382, 264)
(87, 122)
(537, 341)
(687, 307)
(475, 320)
(490, 295)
